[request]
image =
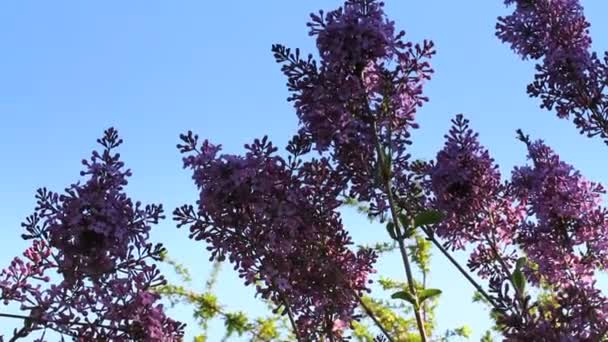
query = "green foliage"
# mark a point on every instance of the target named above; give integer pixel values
(421, 253)
(479, 298)
(362, 333)
(267, 329)
(464, 331)
(401, 328)
(428, 293)
(200, 338)
(207, 307)
(390, 284)
(407, 296)
(487, 337)
(361, 208)
(236, 322)
(427, 217)
(518, 278)
(178, 268)
(380, 247)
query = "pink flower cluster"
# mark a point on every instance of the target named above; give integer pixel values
(95, 239)
(276, 221)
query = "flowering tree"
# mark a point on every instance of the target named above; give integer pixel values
(536, 239)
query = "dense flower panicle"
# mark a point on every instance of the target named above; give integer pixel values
(465, 183)
(541, 27)
(94, 223)
(95, 239)
(547, 212)
(480, 214)
(567, 238)
(278, 225)
(364, 92)
(353, 35)
(570, 77)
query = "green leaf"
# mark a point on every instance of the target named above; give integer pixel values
(429, 293)
(487, 337)
(267, 329)
(235, 322)
(405, 295)
(464, 331)
(518, 277)
(406, 223)
(409, 233)
(520, 263)
(428, 217)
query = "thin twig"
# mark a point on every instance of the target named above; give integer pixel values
(371, 315)
(43, 321)
(461, 269)
(292, 321)
(393, 208)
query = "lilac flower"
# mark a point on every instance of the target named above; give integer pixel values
(466, 187)
(540, 27)
(362, 96)
(569, 77)
(567, 238)
(548, 213)
(277, 223)
(95, 239)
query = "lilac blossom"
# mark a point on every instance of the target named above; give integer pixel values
(276, 222)
(96, 242)
(466, 187)
(360, 99)
(548, 218)
(567, 239)
(569, 76)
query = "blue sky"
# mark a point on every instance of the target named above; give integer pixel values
(154, 69)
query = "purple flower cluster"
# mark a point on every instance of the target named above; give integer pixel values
(466, 184)
(360, 100)
(567, 239)
(547, 212)
(570, 77)
(480, 213)
(277, 223)
(16, 280)
(95, 239)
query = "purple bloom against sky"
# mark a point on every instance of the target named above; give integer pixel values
(569, 76)
(363, 92)
(277, 223)
(96, 240)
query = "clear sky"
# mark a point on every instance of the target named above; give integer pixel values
(154, 69)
